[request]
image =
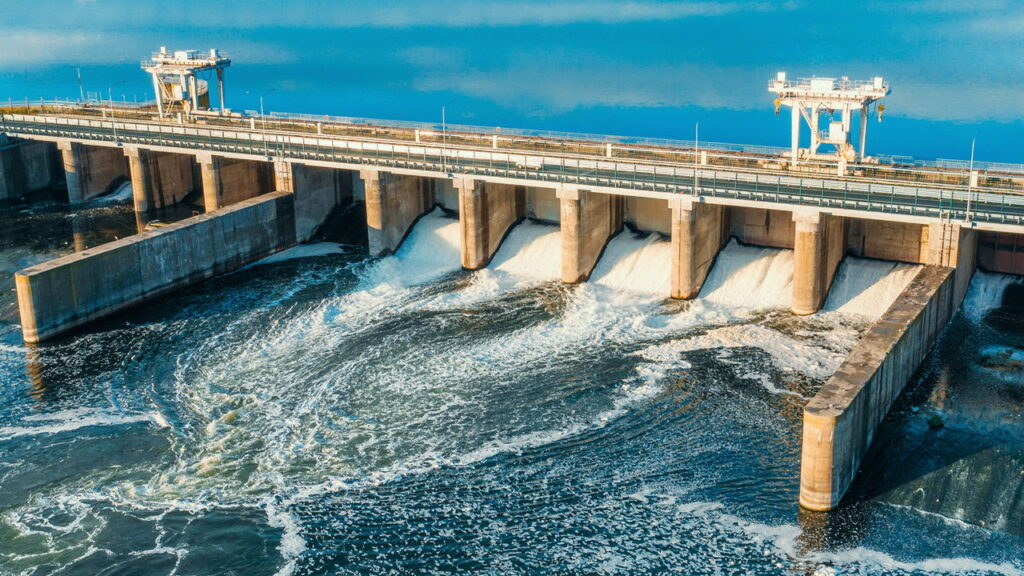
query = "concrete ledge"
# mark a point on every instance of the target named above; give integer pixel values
(840, 421)
(60, 295)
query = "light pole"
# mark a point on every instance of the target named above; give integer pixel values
(81, 88)
(110, 107)
(444, 141)
(970, 181)
(266, 145)
(696, 158)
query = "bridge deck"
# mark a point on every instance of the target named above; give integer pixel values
(620, 165)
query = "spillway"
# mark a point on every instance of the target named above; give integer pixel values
(986, 293)
(532, 250)
(635, 264)
(867, 288)
(750, 278)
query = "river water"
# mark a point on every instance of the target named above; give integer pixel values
(327, 412)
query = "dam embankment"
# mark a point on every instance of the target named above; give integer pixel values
(841, 420)
(62, 294)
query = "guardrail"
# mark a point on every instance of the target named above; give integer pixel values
(612, 173)
(902, 163)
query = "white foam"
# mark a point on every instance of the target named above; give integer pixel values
(985, 294)
(532, 251)
(785, 539)
(788, 353)
(530, 255)
(750, 278)
(292, 543)
(429, 252)
(638, 265)
(67, 420)
(123, 193)
(314, 250)
(867, 288)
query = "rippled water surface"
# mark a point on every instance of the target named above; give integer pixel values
(342, 414)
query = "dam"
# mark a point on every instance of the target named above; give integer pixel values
(439, 198)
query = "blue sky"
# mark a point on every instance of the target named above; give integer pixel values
(648, 68)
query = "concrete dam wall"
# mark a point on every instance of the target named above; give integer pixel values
(62, 294)
(840, 421)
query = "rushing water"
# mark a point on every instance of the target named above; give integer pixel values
(326, 412)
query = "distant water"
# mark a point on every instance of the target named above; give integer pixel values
(335, 413)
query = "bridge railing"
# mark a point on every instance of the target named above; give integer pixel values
(993, 177)
(612, 173)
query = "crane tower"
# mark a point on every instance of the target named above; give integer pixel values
(809, 98)
(178, 79)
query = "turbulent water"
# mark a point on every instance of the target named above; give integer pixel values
(326, 412)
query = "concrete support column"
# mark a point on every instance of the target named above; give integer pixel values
(375, 208)
(393, 203)
(284, 176)
(588, 220)
(950, 245)
(138, 166)
(213, 192)
(472, 222)
(487, 212)
(819, 245)
(71, 153)
(572, 225)
(698, 231)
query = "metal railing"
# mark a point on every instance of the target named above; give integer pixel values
(612, 173)
(896, 189)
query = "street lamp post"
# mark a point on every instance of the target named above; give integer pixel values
(444, 141)
(266, 145)
(81, 88)
(696, 158)
(970, 181)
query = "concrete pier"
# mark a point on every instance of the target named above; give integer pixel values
(588, 219)
(393, 203)
(159, 179)
(318, 192)
(91, 171)
(698, 232)
(819, 246)
(209, 171)
(840, 421)
(227, 181)
(952, 245)
(27, 166)
(486, 213)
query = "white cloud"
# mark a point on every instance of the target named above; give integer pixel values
(539, 88)
(50, 47)
(230, 14)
